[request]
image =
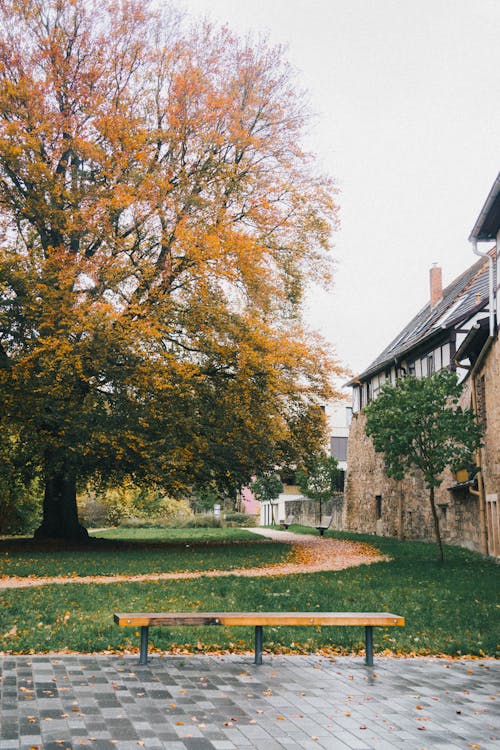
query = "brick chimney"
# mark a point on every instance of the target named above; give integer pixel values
(436, 284)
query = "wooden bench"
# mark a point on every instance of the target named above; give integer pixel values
(324, 524)
(287, 522)
(145, 620)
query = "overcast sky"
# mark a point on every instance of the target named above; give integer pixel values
(407, 98)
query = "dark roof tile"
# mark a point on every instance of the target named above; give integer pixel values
(464, 295)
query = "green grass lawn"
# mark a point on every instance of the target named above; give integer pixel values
(135, 551)
(449, 609)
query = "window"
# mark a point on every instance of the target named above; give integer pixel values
(339, 448)
(378, 506)
(445, 350)
(438, 359)
(356, 399)
(430, 364)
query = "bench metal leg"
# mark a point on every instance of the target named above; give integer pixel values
(143, 656)
(369, 645)
(258, 644)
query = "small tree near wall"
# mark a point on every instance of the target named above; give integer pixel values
(267, 488)
(320, 480)
(418, 424)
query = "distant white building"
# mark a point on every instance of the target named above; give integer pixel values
(339, 417)
(285, 507)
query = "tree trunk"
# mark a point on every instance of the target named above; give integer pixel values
(437, 531)
(60, 513)
(401, 530)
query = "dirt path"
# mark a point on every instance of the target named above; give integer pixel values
(309, 554)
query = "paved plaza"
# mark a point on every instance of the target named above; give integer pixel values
(109, 702)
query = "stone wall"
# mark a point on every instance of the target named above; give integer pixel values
(306, 511)
(488, 398)
(491, 451)
(375, 504)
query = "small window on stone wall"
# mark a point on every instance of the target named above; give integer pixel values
(444, 515)
(378, 507)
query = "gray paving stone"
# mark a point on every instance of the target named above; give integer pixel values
(227, 703)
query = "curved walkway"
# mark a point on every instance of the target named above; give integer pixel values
(309, 554)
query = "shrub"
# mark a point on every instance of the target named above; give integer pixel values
(240, 519)
(20, 506)
(205, 521)
(129, 505)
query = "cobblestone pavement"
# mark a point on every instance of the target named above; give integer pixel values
(202, 702)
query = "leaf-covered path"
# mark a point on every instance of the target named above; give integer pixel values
(308, 554)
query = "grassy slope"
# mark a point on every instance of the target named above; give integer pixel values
(450, 608)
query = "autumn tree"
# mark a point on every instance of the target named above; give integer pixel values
(418, 425)
(159, 223)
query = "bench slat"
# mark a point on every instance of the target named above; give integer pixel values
(137, 619)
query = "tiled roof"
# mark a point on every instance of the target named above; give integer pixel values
(464, 296)
(488, 221)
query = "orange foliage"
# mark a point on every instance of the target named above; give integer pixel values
(159, 223)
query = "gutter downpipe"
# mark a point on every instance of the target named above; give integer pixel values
(483, 522)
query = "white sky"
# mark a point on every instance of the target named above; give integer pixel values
(407, 94)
